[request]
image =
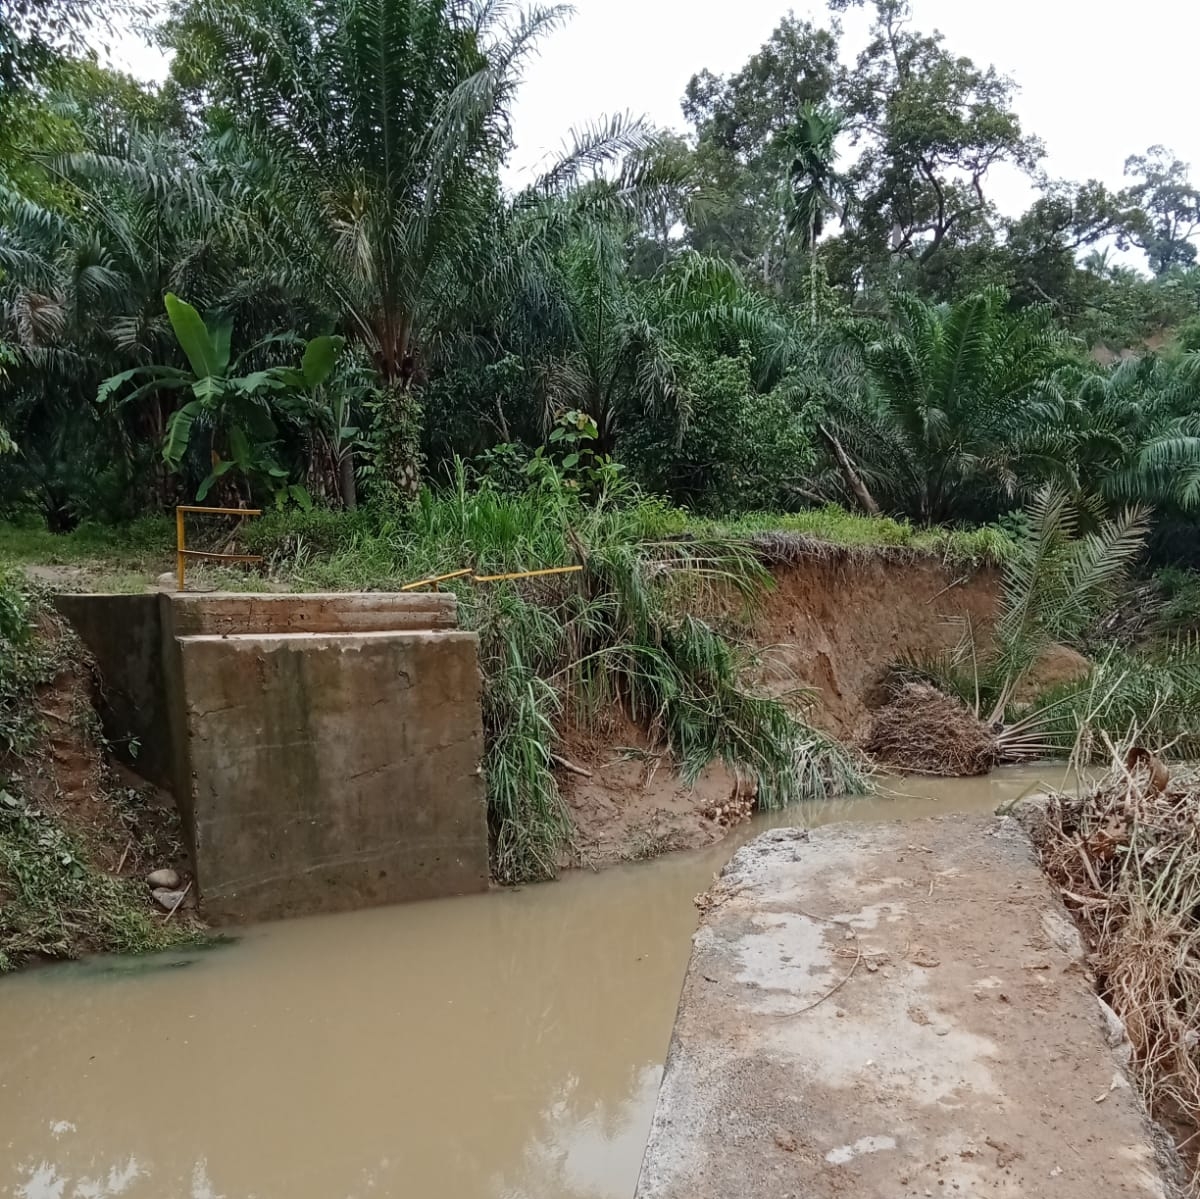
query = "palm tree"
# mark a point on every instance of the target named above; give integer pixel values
(1136, 429)
(1056, 581)
(382, 125)
(82, 286)
(961, 410)
(814, 185)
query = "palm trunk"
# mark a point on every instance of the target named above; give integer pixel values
(812, 265)
(853, 480)
(346, 481)
(400, 459)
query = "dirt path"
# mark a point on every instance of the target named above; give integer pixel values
(894, 1010)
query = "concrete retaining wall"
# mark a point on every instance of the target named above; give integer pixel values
(124, 635)
(324, 750)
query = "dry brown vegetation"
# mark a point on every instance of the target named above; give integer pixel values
(921, 730)
(1125, 855)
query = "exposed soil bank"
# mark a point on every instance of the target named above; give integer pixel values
(77, 841)
(894, 1010)
(834, 623)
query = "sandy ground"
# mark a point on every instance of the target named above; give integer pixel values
(895, 1010)
(633, 803)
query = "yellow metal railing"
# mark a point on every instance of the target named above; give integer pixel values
(182, 553)
(474, 578)
(454, 574)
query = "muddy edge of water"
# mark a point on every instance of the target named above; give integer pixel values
(505, 1046)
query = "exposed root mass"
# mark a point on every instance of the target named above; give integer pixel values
(923, 731)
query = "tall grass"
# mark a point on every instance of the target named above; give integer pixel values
(643, 626)
(1155, 692)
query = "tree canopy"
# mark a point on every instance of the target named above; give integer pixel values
(806, 295)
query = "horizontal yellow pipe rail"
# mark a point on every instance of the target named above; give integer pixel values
(223, 557)
(526, 574)
(454, 574)
(219, 511)
(517, 574)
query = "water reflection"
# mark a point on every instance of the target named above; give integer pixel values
(505, 1046)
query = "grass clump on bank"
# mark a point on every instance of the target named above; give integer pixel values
(831, 525)
(59, 896)
(56, 903)
(139, 544)
(642, 628)
(1125, 856)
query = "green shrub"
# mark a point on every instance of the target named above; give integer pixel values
(55, 903)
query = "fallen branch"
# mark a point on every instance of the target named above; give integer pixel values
(858, 957)
(124, 855)
(570, 767)
(182, 897)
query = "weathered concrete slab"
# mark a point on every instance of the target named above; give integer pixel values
(332, 771)
(238, 613)
(894, 1010)
(324, 750)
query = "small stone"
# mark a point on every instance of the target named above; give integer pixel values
(166, 878)
(785, 1141)
(168, 900)
(1114, 1026)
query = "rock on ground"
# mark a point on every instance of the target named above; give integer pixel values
(890, 1011)
(170, 900)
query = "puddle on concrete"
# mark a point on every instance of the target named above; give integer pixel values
(504, 1046)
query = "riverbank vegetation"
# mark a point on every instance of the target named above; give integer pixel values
(72, 839)
(1125, 856)
(298, 274)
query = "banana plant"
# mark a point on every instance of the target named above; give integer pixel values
(236, 412)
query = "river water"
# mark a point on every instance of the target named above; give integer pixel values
(502, 1046)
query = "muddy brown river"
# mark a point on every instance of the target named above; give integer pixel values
(503, 1046)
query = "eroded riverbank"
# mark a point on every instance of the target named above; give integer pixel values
(488, 1047)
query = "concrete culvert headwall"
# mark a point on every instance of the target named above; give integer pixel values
(324, 750)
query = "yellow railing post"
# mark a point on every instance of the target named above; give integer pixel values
(182, 553)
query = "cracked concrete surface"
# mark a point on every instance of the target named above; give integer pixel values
(891, 1011)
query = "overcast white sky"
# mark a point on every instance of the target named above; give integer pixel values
(1099, 80)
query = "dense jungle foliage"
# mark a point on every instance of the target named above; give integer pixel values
(291, 273)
